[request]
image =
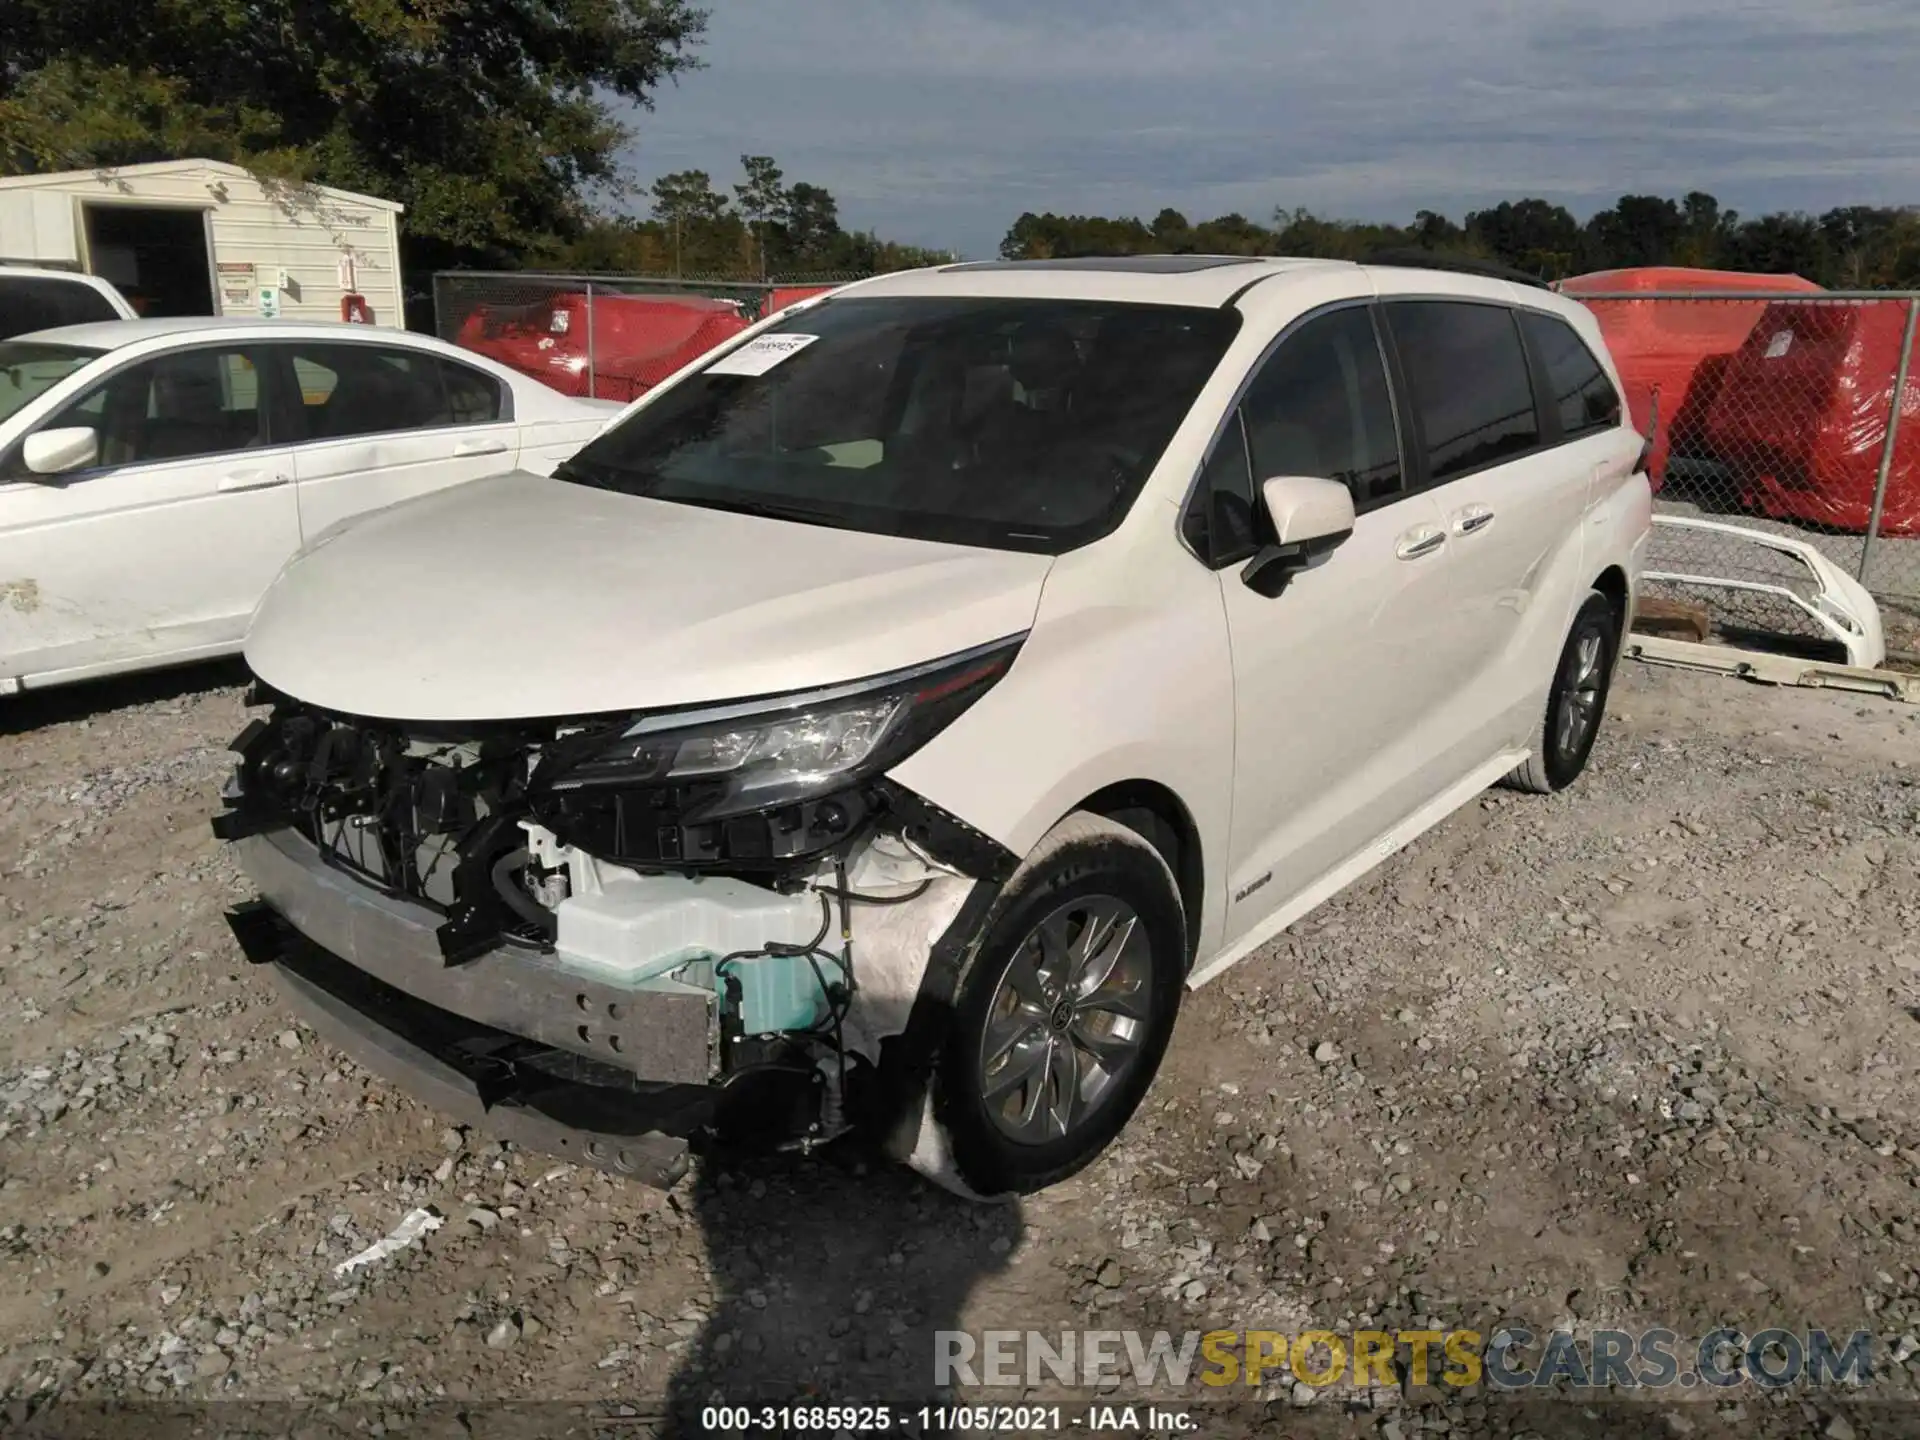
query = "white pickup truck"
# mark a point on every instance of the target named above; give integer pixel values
(32, 299)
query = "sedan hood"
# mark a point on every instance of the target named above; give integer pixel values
(521, 597)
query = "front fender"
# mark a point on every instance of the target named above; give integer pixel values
(1102, 693)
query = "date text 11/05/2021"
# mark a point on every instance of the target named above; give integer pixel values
(1228, 1362)
(945, 1419)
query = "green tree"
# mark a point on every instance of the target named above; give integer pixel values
(1783, 244)
(692, 212)
(1532, 235)
(491, 120)
(1638, 230)
(808, 230)
(1050, 236)
(1434, 231)
(1172, 231)
(762, 200)
(1706, 225)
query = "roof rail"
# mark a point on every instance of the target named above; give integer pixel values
(1419, 259)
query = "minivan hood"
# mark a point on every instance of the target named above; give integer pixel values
(519, 597)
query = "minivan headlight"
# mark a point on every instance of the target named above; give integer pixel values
(761, 754)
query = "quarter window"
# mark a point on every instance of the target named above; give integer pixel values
(472, 398)
(1219, 524)
(1576, 385)
(348, 390)
(1471, 396)
(1320, 406)
(174, 407)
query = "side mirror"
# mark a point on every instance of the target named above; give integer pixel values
(1310, 518)
(55, 452)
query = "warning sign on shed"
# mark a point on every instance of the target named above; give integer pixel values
(236, 284)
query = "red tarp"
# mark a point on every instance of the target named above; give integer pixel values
(638, 340)
(1679, 347)
(1800, 419)
(785, 295)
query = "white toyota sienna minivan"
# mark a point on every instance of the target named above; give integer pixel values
(888, 719)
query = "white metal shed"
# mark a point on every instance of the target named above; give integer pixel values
(201, 237)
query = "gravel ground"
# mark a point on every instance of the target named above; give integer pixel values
(1639, 1054)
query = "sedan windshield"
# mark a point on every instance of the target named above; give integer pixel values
(28, 371)
(1017, 424)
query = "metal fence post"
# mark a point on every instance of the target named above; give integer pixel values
(1893, 435)
(593, 377)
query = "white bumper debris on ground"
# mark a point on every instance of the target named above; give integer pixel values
(413, 1225)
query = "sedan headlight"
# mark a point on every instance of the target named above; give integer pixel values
(763, 754)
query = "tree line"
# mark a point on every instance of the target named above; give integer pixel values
(1852, 247)
(760, 227)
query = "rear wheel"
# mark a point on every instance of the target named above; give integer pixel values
(1065, 1010)
(1576, 700)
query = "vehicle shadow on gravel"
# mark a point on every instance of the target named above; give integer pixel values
(831, 1277)
(65, 704)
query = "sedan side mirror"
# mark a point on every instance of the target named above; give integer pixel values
(55, 452)
(1310, 518)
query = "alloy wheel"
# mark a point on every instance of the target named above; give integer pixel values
(1067, 1020)
(1581, 681)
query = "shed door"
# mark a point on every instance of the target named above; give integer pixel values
(156, 255)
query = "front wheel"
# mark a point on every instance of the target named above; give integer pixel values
(1576, 700)
(1065, 1010)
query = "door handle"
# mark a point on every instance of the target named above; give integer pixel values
(480, 447)
(1421, 540)
(252, 480)
(1471, 518)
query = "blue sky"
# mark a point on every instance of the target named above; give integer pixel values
(939, 121)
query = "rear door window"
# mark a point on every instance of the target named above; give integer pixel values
(349, 390)
(1471, 394)
(1577, 387)
(46, 302)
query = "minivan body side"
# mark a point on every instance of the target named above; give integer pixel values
(1145, 665)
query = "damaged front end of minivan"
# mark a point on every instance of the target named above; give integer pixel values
(623, 938)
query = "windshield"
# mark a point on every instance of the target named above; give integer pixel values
(1018, 424)
(28, 371)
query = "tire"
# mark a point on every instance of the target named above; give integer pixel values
(1020, 1045)
(1576, 701)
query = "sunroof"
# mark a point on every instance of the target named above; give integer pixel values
(1130, 264)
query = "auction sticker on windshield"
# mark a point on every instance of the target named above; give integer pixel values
(760, 354)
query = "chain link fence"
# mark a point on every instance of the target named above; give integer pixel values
(1796, 413)
(604, 337)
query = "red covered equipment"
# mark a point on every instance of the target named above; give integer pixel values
(1679, 347)
(785, 295)
(1800, 420)
(638, 340)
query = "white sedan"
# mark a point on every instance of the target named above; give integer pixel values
(155, 475)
